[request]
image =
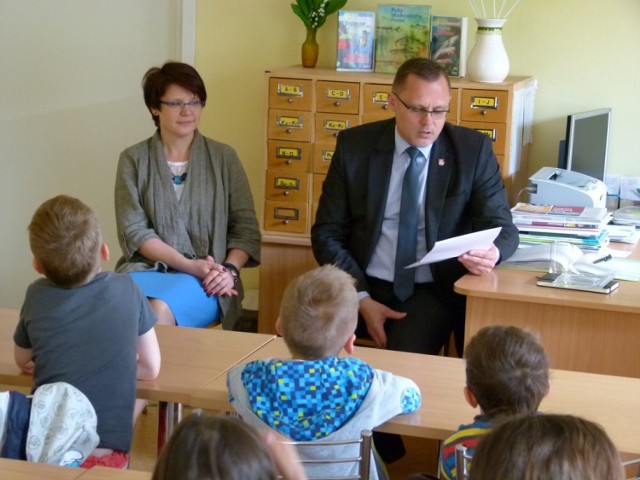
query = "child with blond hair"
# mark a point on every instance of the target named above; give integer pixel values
(317, 395)
(79, 325)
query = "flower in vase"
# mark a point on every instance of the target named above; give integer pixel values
(314, 13)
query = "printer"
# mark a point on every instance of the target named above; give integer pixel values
(556, 186)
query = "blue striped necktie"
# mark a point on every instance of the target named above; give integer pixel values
(404, 278)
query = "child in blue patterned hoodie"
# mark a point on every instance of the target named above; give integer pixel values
(317, 395)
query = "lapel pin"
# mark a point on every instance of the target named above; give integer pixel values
(441, 162)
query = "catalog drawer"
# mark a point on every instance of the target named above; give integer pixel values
(340, 97)
(318, 180)
(290, 93)
(287, 186)
(484, 106)
(495, 131)
(288, 217)
(376, 102)
(289, 156)
(322, 155)
(328, 125)
(291, 125)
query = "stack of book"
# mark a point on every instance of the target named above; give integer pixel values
(580, 226)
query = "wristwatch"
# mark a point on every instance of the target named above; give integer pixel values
(233, 270)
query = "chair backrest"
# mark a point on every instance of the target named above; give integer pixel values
(463, 461)
(632, 466)
(333, 456)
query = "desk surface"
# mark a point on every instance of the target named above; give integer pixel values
(587, 332)
(443, 406)
(520, 285)
(608, 400)
(21, 470)
(508, 284)
(191, 358)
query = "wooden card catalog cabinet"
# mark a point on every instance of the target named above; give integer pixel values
(305, 111)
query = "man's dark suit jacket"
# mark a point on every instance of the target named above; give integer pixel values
(464, 193)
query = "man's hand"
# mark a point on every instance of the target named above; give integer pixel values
(479, 262)
(375, 314)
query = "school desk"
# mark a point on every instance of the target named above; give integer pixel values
(22, 470)
(105, 473)
(191, 358)
(608, 400)
(583, 331)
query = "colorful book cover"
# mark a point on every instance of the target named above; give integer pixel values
(356, 32)
(403, 32)
(449, 43)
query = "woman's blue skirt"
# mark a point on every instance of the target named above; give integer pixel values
(183, 293)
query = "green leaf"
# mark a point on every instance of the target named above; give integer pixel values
(333, 6)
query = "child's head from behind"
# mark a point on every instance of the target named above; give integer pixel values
(66, 242)
(319, 312)
(541, 447)
(507, 371)
(207, 447)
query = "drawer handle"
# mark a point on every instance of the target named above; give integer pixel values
(286, 193)
(337, 104)
(288, 130)
(290, 100)
(335, 134)
(385, 107)
(483, 113)
(285, 222)
(289, 162)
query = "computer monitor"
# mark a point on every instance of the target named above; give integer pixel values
(587, 143)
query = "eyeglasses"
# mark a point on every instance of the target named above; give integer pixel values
(180, 105)
(423, 112)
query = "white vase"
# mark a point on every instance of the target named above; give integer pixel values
(488, 60)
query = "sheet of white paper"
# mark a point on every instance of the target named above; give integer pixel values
(456, 246)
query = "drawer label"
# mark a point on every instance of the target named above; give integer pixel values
(338, 93)
(285, 90)
(484, 102)
(336, 124)
(286, 183)
(289, 122)
(289, 152)
(489, 132)
(327, 155)
(380, 97)
(286, 213)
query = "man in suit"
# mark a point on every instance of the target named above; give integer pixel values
(458, 190)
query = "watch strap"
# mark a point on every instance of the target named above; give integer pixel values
(235, 272)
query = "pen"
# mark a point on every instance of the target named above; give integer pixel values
(606, 258)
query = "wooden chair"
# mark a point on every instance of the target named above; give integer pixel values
(362, 460)
(463, 461)
(633, 465)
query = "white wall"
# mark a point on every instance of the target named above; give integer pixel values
(70, 101)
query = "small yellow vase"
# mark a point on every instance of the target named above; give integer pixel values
(310, 49)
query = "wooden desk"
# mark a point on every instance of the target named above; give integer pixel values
(191, 359)
(21, 470)
(608, 400)
(581, 331)
(440, 380)
(104, 473)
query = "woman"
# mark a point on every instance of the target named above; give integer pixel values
(184, 211)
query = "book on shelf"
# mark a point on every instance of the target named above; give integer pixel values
(356, 32)
(449, 43)
(402, 32)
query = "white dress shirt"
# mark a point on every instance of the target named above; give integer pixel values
(382, 264)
